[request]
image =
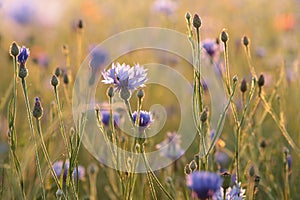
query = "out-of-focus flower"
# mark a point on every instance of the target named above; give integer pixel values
(234, 193)
(285, 22)
(105, 117)
(58, 168)
(212, 48)
(98, 57)
(204, 184)
(145, 118)
(125, 77)
(22, 57)
(170, 147)
(289, 162)
(167, 7)
(222, 159)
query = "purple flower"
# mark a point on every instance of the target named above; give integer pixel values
(58, 167)
(167, 7)
(145, 118)
(289, 162)
(170, 147)
(106, 117)
(210, 46)
(98, 57)
(204, 184)
(125, 77)
(22, 57)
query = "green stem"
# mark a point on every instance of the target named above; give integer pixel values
(34, 138)
(39, 130)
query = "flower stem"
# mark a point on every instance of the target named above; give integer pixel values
(34, 137)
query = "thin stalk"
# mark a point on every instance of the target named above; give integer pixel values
(61, 123)
(39, 130)
(34, 137)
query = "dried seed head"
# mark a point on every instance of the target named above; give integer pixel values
(14, 49)
(54, 81)
(224, 36)
(261, 80)
(197, 21)
(37, 111)
(243, 85)
(246, 41)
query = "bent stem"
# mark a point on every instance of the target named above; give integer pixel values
(34, 137)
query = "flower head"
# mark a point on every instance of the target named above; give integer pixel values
(105, 117)
(125, 77)
(58, 167)
(145, 118)
(22, 57)
(204, 184)
(167, 7)
(170, 147)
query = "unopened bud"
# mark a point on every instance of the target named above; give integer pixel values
(37, 111)
(140, 94)
(54, 81)
(23, 72)
(246, 41)
(110, 92)
(261, 80)
(197, 21)
(14, 49)
(226, 180)
(224, 36)
(203, 116)
(243, 85)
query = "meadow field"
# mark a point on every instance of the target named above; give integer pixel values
(150, 99)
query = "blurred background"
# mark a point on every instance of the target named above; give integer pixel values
(45, 27)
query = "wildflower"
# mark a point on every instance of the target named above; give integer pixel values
(125, 78)
(99, 56)
(170, 147)
(224, 36)
(145, 118)
(232, 193)
(22, 57)
(58, 167)
(197, 21)
(167, 7)
(14, 49)
(105, 118)
(222, 159)
(211, 47)
(204, 184)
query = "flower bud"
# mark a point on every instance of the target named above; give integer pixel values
(23, 72)
(37, 111)
(224, 36)
(188, 16)
(261, 80)
(226, 180)
(110, 92)
(140, 94)
(80, 24)
(66, 79)
(187, 169)
(203, 116)
(58, 72)
(193, 165)
(243, 87)
(14, 49)
(246, 41)
(197, 21)
(54, 81)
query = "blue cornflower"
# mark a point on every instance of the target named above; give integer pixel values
(211, 47)
(125, 77)
(145, 118)
(58, 167)
(204, 184)
(170, 147)
(106, 117)
(234, 193)
(22, 57)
